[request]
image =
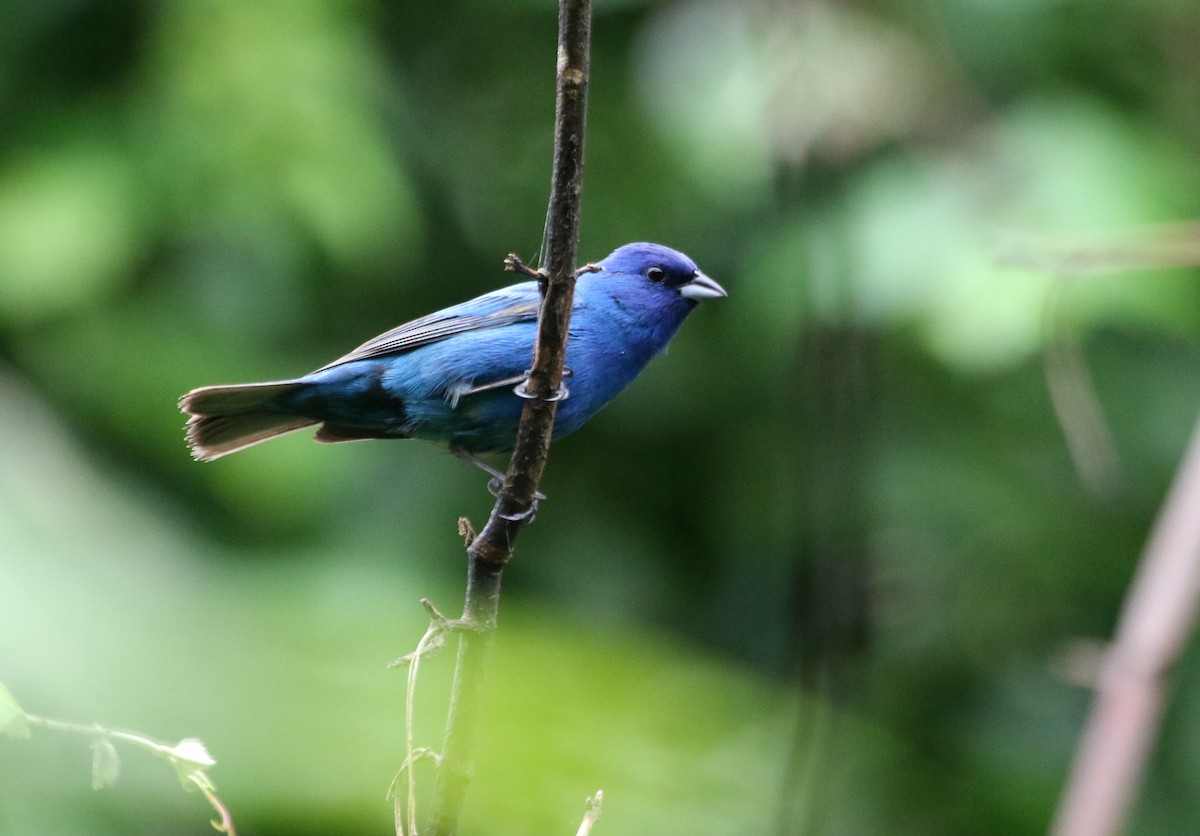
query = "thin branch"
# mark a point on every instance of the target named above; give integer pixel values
(1156, 621)
(405, 804)
(591, 814)
(189, 758)
(1073, 395)
(488, 552)
(1106, 252)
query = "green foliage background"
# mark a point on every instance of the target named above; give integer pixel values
(826, 568)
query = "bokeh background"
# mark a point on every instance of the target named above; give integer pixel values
(831, 566)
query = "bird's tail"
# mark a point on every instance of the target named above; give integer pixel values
(225, 419)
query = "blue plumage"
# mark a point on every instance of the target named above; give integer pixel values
(448, 377)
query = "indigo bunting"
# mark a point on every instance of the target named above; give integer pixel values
(448, 377)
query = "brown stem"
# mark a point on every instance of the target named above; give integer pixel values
(1156, 621)
(491, 550)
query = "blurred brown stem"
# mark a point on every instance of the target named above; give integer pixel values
(1156, 621)
(1073, 396)
(491, 550)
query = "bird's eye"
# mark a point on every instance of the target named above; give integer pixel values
(656, 274)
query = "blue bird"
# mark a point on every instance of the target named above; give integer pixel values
(448, 377)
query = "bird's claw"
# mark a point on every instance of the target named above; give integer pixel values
(495, 484)
(527, 516)
(560, 394)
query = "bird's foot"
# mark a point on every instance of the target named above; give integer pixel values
(560, 394)
(528, 515)
(497, 482)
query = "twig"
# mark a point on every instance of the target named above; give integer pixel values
(1073, 396)
(405, 806)
(1106, 252)
(493, 547)
(591, 813)
(188, 757)
(1069, 260)
(1156, 621)
(514, 264)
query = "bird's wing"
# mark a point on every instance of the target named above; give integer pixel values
(508, 306)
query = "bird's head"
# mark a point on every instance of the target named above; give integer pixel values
(663, 272)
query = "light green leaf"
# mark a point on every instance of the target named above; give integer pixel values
(106, 763)
(12, 716)
(192, 754)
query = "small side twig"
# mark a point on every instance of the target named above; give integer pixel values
(1069, 261)
(466, 531)
(514, 264)
(188, 757)
(1073, 396)
(440, 627)
(405, 809)
(591, 813)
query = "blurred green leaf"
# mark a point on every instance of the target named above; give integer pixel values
(926, 233)
(68, 230)
(708, 103)
(259, 107)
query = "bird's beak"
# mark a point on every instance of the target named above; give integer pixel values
(701, 287)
